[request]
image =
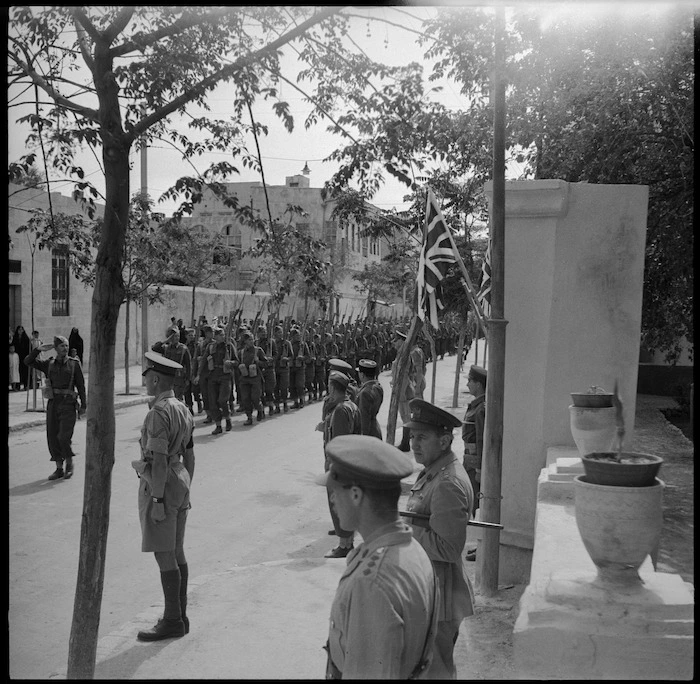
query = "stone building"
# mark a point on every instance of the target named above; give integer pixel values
(348, 251)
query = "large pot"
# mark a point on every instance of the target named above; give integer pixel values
(593, 429)
(627, 469)
(619, 526)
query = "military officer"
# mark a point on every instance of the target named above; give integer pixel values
(384, 614)
(473, 429)
(369, 398)
(175, 350)
(443, 492)
(340, 416)
(164, 491)
(64, 384)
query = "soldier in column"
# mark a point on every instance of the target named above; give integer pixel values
(297, 375)
(282, 360)
(268, 374)
(193, 395)
(253, 363)
(310, 365)
(176, 351)
(202, 372)
(220, 358)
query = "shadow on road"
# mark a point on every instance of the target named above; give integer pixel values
(33, 487)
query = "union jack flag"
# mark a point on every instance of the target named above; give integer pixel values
(484, 294)
(436, 257)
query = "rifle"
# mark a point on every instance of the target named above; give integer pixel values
(473, 523)
(257, 317)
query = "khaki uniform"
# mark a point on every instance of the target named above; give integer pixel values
(382, 609)
(166, 431)
(443, 491)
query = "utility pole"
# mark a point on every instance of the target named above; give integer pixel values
(144, 295)
(493, 432)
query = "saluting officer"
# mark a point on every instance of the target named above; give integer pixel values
(164, 491)
(64, 375)
(384, 613)
(443, 492)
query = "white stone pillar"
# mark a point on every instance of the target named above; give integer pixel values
(574, 267)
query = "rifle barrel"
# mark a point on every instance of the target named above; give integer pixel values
(472, 523)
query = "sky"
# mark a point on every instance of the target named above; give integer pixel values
(285, 154)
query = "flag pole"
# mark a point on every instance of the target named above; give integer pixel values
(426, 332)
(493, 431)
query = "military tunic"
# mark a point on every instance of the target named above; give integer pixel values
(166, 433)
(383, 607)
(443, 491)
(473, 438)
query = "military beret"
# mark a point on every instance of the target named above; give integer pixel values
(337, 376)
(368, 461)
(366, 363)
(59, 339)
(278, 328)
(425, 414)
(478, 373)
(339, 364)
(160, 364)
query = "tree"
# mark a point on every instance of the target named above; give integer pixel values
(144, 64)
(192, 257)
(292, 260)
(608, 99)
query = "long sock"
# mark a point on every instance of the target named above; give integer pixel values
(184, 574)
(170, 579)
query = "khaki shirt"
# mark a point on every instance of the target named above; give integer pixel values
(383, 606)
(444, 492)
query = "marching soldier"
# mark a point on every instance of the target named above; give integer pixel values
(171, 348)
(164, 492)
(297, 373)
(442, 492)
(219, 358)
(253, 363)
(64, 384)
(202, 370)
(268, 374)
(369, 398)
(383, 618)
(282, 359)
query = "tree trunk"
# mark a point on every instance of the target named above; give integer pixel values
(402, 375)
(126, 347)
(107, 298)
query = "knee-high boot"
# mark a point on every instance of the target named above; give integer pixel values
(184, 574)
(171, 624)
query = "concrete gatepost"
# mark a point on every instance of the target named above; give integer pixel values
(574, 268)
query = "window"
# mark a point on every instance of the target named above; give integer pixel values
(14, 266)
(59, 281)
(233, 240)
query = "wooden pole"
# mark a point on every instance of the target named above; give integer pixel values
(458, 370)
(431, 341)
(493, 431)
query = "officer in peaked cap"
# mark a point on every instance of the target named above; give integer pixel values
(161, 364)
(473, 434)
(380, 628)
(442, 495)
(165, 472)
(479, 374)
(369, 398)
(339, 416)
(345, 368)
(424, 414)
